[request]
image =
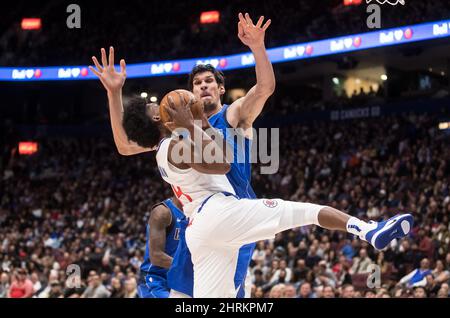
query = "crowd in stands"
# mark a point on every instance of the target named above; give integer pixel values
(78, 202)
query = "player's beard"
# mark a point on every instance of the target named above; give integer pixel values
(209, 107)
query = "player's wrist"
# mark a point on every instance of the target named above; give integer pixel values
(113, 92)
(257, 47)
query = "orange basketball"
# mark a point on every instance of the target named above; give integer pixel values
(180, 98)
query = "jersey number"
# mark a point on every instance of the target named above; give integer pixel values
(176, 235)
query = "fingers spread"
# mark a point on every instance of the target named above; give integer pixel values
(266, 25)
(94, 71)
(240, 29)
(104, 61)
(123, 67)
(260, 21)
(248, 19)
(99, 68)
(111, 56)
(241, 19)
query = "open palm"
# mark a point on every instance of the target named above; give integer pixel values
(110, 78)
(250, 34)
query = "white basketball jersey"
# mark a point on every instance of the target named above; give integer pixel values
(190, 186)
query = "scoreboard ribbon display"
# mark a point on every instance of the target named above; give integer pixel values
(308, 50)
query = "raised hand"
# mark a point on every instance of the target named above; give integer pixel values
(110, 78)
(250, 34)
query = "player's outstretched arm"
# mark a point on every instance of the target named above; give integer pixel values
(243, 112)
(160, 219)
(113, 82)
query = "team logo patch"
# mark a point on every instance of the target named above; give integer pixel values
(270, 203)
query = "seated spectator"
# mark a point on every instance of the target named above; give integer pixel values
(305, 291)
(117, 289)
(95, 288)
(440, 274)
(369, 294)
(328, 292)
(418, 276)
(277, 291)
(282, 268)
(56, 290)
(420, 292)
(361, 264)
(130, 288)
(21, 286)
(348, 291)
(290, 291)
(324, 275)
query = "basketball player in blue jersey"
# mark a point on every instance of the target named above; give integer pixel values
(221, 222)
(144, 131)
(207, 84)
(165, 226)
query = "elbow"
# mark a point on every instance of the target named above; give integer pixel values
(271, 88)
(266, 90)
(124, 151)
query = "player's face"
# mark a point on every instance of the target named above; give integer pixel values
(206, 88)
(153, 111)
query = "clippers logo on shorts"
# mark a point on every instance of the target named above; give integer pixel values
(391, 2)
(270, 203)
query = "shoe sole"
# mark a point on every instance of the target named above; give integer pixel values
(398, 229)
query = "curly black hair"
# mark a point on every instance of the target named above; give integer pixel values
(138, 126)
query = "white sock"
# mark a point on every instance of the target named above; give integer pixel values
(357, 227)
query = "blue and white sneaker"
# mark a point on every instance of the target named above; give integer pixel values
(385, 231)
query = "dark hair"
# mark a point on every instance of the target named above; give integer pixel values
(201, 68)
(138, 126)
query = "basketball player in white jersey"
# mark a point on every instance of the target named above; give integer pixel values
(221, 223)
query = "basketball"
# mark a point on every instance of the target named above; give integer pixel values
(180, 98)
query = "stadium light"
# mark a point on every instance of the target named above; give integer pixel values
(144, 95)
(28, 147)
(444, 125)
(384, 77)
(31, 24)
(153, 99)
(352, 2)
(336, 80)
(209, 17)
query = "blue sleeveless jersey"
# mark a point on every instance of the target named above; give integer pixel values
(155, 275)
(239, 177)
